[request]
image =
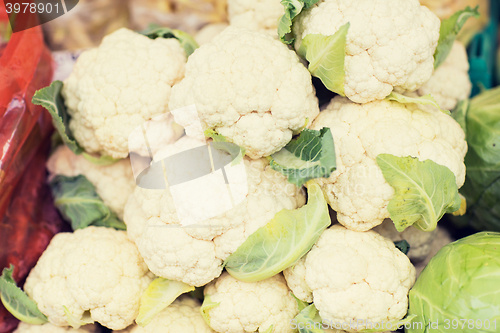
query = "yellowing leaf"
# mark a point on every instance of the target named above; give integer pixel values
(159, 294)
(282, 242)
(423, 191)
(326, 56)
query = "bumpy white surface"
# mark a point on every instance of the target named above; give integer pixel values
(356, 275)
(95, 269)
(450, 83)
(390, 43)
(182, 316)
(357, 190)
(119, 85)
(194, 255)
(420, 241)
(208, 32)
(250, 88)
(251, 306)
(260, 15)
(113, 183)
(49, 328)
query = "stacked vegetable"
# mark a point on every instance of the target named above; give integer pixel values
(385, 154)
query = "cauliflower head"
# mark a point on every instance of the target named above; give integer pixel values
(113, 183)
(194, 254)
(390, 44)
(450, 82)
(250, 307)
(208, 32)
(355, 275)
(119, 85)
(259, 15)
(49, 328)
(182, 316)
(420, 241)
(357, 190)
(94, 271)
(250, 88)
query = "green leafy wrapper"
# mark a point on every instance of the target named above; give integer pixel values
(449, 31)
(17, 302)
(282, 242)
(78, 202)
(424, 191)
(310, 156)
(326, 57)
(186, 40)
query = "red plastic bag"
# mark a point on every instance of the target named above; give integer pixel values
(28, 219)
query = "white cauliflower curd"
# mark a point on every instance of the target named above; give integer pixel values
(353, 275)
(95, 272)
(259, 15)
(250, 306)
(357, 190)
(450, 82)
(194, 254)
(113, 183)
(420, 241)
(182, 316)
(119, 85)
(49, 328)
(250, 88)
(390, 43)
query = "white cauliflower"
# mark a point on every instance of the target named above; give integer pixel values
(420, 241)
(357, 190)
(194, 255)
(259, 15)
(450, 82)
(250, 307)
(390, 43)
(49, 328)
(182, 316)
(208, 32)
(113, 183)
(94, 271)
(250, 88)
(119, 85)
(354, 275)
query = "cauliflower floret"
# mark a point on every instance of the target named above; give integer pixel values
(356, 275)
(250, 88)
(182, 316)
(390, 43)
(357, 190)
(113, 183)
(251, 307)
(193, 254)
(118, 86)
(95, 271)
(208, 32)
(450, 83)
(259, 15)
(296, 280)
(420, 241)
(49, 328)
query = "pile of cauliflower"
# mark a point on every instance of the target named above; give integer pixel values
(256, 92)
